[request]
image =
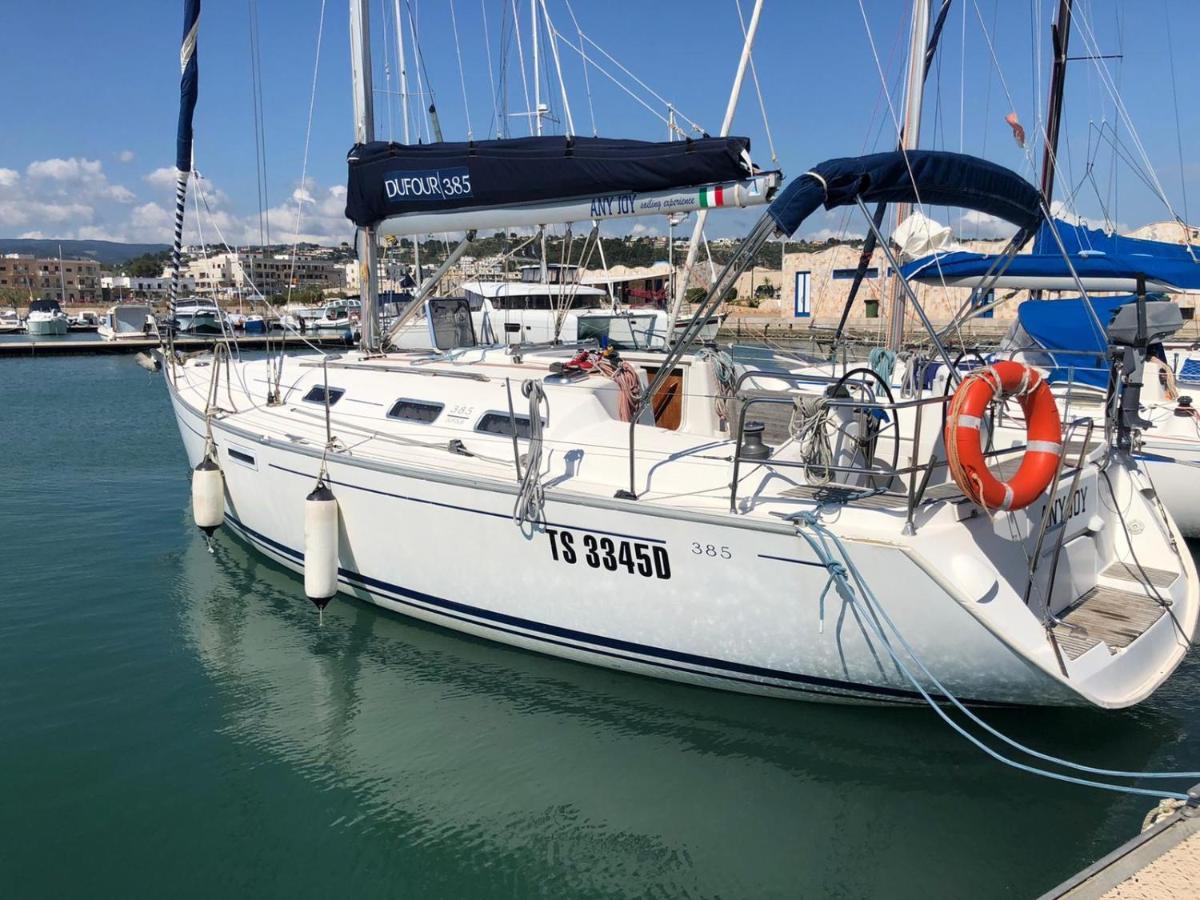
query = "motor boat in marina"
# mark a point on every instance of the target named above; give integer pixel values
(84, 321)
(10, 321)
(338, 317)
(46, 319)
(541, 307)
(199, 316)
(637, 483)
(128, 321)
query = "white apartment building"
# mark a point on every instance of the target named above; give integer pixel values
(248, 273)
(140, 287)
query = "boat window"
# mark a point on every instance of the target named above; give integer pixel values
(316, 394)
(500, 423)
(415, 411)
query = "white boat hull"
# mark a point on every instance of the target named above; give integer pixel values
(449, 553)
(55, 327)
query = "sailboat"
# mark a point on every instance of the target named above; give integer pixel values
(1067, 339)
(621, 508)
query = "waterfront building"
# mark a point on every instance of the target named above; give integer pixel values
(66, 280)
(229, 274)
(143, 287)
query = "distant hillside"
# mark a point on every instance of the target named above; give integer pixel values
(104, 252)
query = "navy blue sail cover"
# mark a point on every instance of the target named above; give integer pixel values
(930, 177)
(189, 85)
(1174, 273)
(1066, 331)
(390, 179)
(1093, 254)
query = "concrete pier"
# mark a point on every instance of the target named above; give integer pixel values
(51, 347)
(1162, 862)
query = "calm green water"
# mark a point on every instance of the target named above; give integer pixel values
(176, 723)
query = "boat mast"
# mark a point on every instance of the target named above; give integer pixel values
(364, 133)
(403, 70)
(62, 278)
(189, 77)
(404, 109)
(537, 75)
(910, 139)
(1060, 37)
(537, 118)
(726, 124)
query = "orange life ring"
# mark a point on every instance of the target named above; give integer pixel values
(1043, 431)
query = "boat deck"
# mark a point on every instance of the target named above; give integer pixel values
(1112, 615)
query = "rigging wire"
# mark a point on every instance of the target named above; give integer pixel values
(521, 60)
(260, 135)
(1178, 128)
(422, 74)
(762, 106)
(302, 192)
(1113, 88)
(653, 111)
(587, 81)
(487, 44)
(462, 77)
(387, 72)
(662, 100)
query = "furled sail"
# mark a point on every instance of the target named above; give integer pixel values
(413, 188)
(1103, 262)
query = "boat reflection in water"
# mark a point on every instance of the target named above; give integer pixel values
(481, 766)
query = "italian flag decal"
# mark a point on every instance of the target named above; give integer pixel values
(712, 196)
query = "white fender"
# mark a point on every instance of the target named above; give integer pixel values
(320, 546)
(208, 496)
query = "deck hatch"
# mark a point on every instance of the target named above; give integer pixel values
(415, 410)
(316, 394)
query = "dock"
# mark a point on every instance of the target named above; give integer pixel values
(16, 349)
(1161, 862)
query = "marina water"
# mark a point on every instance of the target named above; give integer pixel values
(177, 722)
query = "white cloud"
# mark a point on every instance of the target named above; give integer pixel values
(982, 226)
(825, 234)
(162, 177)
(126, 156)
(9, 177)
(71, 169)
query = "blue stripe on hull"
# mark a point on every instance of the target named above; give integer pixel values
(659, 657)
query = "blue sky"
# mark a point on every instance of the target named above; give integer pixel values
(99, 87)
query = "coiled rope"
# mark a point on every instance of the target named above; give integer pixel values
(725, 372)
(629, 384)
(809, 429)
(850, 584)
(530, 495)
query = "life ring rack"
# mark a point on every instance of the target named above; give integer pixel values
(1043, 431)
